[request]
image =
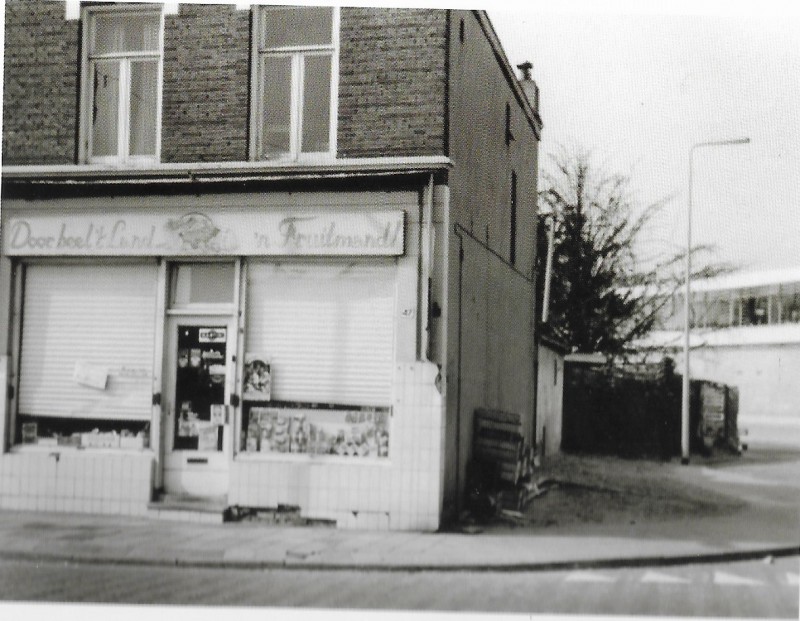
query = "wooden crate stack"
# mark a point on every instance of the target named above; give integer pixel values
(502, 453)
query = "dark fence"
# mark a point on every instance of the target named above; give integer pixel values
(634, 410)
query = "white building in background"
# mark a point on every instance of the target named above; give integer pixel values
(745, 332)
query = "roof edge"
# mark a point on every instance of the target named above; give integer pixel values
(491, 34)
(220, 171)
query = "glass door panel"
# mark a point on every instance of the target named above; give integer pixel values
(200, 388)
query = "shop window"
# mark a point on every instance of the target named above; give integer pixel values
(318, 364)
(86, 356)
(295, 56)
(122, 85)
(316, 429)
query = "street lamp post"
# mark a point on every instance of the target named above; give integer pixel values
(687, 295)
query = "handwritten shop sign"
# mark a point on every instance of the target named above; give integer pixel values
(227, 233)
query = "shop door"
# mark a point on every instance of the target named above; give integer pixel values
(198, 426)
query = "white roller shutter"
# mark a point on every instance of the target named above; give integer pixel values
(327, 329)
(100, 318)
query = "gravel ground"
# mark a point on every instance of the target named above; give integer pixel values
(599, 489)
(596, 489)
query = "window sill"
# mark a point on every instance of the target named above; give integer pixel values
(114, 163)
(311, 459)
(201, 309)
(319, 158)
(21, 449)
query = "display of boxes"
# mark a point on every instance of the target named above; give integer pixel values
(74, 440)
(30, 431)
(100, 440)
(132, 442)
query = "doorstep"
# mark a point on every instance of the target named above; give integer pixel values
(198, 510)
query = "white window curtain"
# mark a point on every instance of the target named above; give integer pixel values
(124, 57)
(296, 49)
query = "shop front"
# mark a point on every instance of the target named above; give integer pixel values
(245, 348)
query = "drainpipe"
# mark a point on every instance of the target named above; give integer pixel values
(537, 327)
(425, 254)
(548, 270)
(531, 91)
(545, 314)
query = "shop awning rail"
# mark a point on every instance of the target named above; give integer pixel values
(211, 172)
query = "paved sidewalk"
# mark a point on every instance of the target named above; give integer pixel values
(764, 482)
(105, 539)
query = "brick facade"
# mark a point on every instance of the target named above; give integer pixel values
(40, 84)
(392, 83)
(206, 76)
(392, 76)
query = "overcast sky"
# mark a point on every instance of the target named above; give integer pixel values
(638, 89)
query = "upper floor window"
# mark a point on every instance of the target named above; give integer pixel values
(513, 220)
(294, 74)
(122, 83)
(509, 133)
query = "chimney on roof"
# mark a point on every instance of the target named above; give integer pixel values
(528, 85)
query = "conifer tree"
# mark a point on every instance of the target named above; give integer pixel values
(602, 295)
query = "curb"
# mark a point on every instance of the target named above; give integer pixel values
(609, 563)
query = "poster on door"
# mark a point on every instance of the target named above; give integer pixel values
(200, 388)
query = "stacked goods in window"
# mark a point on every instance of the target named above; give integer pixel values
(500, 451)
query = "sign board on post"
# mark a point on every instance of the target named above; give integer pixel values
(230, 232)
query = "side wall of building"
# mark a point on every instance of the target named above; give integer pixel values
(391, 86)
(490, 330)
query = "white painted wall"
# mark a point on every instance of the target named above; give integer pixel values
(549, 400)
(768, 378)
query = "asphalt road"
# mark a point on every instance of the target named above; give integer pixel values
(753, 589)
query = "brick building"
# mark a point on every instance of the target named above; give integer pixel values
(260, 256)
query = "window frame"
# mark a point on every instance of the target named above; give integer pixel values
(88, 16)
(297, 54)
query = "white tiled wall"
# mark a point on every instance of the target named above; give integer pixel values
(403, 492)
(76, 482)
